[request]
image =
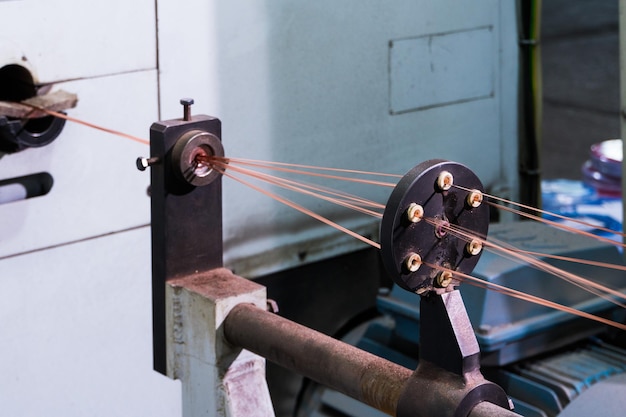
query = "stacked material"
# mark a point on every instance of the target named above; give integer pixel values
(603, 170)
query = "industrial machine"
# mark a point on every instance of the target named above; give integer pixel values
(203, 315)
(432, 235)
(348, 84)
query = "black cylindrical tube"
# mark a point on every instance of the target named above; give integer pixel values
(337, 365)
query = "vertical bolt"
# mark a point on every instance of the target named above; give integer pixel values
(186, 102)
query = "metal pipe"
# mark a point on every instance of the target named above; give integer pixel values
(337, 365)
(365, 377)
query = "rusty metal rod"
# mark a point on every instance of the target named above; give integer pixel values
(337, 365)
(330, 362)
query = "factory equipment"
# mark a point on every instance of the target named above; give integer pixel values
(421, 257)
(432, 235)
(334, 75)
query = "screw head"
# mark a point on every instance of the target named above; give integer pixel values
(474, 198)
(143, 163)
(186, 101)
(445, 181)
(413, 262)
(474, 247)
(443, 279)
(415, 212)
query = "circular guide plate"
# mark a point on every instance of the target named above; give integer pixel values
(184, 153)
(400, 238)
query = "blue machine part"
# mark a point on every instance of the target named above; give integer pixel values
(577, 200)
(543, 358)
(508, 329)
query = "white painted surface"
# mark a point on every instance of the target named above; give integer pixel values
(66, 39)
(97, 188)
(12, 192)
(76, 334)
(75, 319)
(441, 69)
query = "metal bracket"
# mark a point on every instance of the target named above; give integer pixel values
(204, 315)
(447, 381)
(186, 220)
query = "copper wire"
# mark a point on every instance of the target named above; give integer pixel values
(528, 297)
(302, 188)
(354, 202)
(300, 208)
(561, 225)
(88, 124)
(546, 212)
(316, 174)
(506, 251)
(268, 164)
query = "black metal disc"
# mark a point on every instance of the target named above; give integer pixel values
(400, 237)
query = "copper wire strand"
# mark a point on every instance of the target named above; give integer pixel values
(574, 260)
(300, 208)
(278, 166)
(269, 164)
(297, 187)
(88, 124)
(508, 252)
(316, 174)
(546, 212)
(527, 297)
(356, 200)
(560, 225)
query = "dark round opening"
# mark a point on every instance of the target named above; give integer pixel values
(37, 127)
(16, 83)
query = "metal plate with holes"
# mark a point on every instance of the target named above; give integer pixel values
(434, 244)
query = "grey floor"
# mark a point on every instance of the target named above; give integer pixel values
(580, 57)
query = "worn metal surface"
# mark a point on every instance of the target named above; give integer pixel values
(486, 409)
(449, 364)
(446, 335)
(55, 101)
(361, 375)
(401, 237)
(186, 220)
(218, 379)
